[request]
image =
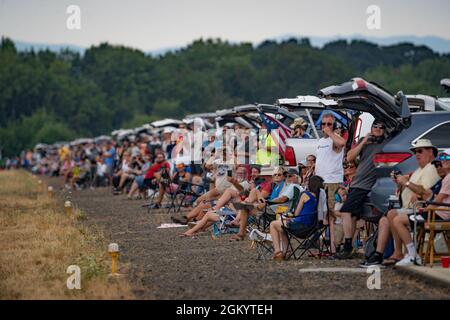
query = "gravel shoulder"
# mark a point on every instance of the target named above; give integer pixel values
(161, 265)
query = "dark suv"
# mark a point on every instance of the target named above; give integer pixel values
(404, 127)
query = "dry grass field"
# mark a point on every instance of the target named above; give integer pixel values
(38, 241)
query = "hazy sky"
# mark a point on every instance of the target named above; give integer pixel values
(156, 24)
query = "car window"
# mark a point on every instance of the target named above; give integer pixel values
(439, 136)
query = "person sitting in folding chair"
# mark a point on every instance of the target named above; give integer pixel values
(239, 184)
(304, 219)
(403, 224)
(282, 194)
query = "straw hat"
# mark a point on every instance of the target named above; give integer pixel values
(299, 122)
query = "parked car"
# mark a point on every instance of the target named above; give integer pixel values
(404, 128)
(310, 108)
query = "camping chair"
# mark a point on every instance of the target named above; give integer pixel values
(169, 190)
(188, 196)
(264, 220)
(262, 242)
(261, 239)
(432, 228)
(307, 240)
(220, 227)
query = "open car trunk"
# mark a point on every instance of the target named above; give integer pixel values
(359, 94)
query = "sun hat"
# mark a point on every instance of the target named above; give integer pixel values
(424, 143)
(299, 122)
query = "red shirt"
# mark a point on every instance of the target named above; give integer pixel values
(155, 168)
(266, 186)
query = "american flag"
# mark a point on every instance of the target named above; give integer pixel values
(279, 135)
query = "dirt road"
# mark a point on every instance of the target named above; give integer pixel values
(161, 265)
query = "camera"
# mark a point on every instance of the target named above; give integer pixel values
(396, 173)
(374, 139)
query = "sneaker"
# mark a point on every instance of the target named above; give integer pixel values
(409, 261)
(344, 255)
(373, 260)
(150, 192)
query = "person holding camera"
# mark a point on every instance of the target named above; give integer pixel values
(299, 127)
(412, 188)
(362, 182)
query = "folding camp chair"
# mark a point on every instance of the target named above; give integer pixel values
(220, 227)
(169, 190)
(432, 227)
(187, 195)
(307, 239)
(264, 220)
(261, 239)
(262, 242)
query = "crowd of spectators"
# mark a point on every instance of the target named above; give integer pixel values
(221, 172)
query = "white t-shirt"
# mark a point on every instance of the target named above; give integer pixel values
(328, 162)
(425, 177)
(101, 169)
(125, 166)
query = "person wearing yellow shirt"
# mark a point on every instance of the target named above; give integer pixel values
(267, 153)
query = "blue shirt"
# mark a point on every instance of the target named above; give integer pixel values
(309, 209)
(276, 191)
(109, 161)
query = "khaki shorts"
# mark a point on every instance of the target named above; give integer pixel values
(330, 190)
(338, 234)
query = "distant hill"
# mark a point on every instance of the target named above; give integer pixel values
(437, 44)
(47, 97)
(27, 46)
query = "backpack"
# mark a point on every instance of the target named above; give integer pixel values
(371, 245)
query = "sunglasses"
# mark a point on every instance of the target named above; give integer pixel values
(444, 157)
(418, 151)
(278, 175)
(328, 124)
(378, 126)
(437, 164)
(291, 175)
(349, 166)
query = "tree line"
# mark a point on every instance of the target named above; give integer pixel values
(48, 97)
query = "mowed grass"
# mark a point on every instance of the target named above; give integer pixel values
(38, 241)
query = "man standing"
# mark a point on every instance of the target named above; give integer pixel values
(330, 155)
(109, 158)
(362, 183)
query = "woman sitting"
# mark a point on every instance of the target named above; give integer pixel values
(305, 217)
